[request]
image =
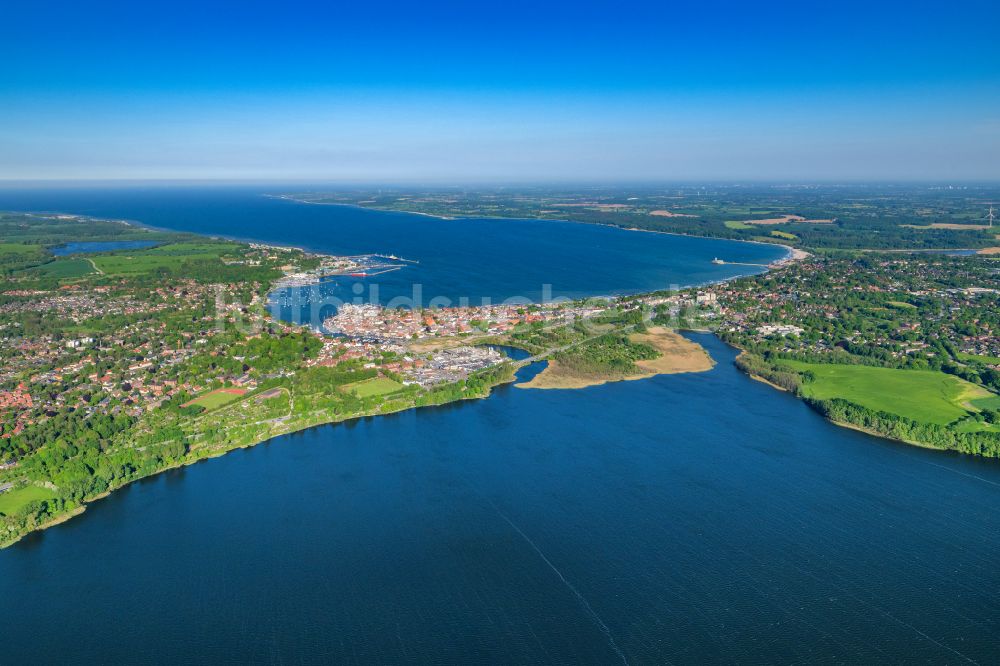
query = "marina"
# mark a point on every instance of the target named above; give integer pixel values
(361, 265)
(705, 518)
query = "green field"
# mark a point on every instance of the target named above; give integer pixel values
(374, 386)
(733, 224)
(922, 395)
(12, 500)
(971, 425)
(785, 235)
(170, 257)
(15, 256)
(989, 360)
(986, 402)
(20, 250)
(63, 268)
(215, 399)
(184, 249)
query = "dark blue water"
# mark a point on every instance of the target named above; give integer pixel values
(99, 246)
(690, 518)
(459, 259)
(687, 518)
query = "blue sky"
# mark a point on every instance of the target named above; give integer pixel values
(501, 91)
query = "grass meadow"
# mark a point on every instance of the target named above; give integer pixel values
(922, 395)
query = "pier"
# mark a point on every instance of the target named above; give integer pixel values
(379, 271)
(390, 257)
(357, 266)
(737, 263)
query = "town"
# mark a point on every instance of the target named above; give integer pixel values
(916, 310)
(374, 322)
(173, 352)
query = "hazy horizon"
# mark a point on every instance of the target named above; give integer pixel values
(495, 184)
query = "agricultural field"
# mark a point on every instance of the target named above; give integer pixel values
(15, 256)
(987, 402)
(926, 396)
(19, 250)
(374, 386)
(13, 500)
(186, 249)
(62, 269)
(846, 217)
(53, 230)
(168, 257)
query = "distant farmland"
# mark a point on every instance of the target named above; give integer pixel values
(169, 257)
(64, 268)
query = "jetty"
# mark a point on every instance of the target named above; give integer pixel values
(737, 263)
(390, 257)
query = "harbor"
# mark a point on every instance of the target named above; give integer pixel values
(357, 266)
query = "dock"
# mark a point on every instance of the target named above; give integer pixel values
(390, 257)
(358, 266)
(380, 270)
(737, 263)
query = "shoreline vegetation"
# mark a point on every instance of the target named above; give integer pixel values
(843, 419)
(101, 439)
(677, 355)
(288, 428)
(847, 413)
(616, 346)
(134, 316)
(292, 198)
(842, 217)
(793, 253)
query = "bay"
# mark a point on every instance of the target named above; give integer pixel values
(684, 518)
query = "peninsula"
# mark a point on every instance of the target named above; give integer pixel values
(882, 318)
(128, 351)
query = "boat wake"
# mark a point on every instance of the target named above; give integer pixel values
(583, 600)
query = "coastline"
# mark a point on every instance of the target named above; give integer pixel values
(790, 250)
(841, 424)
(872, 433)
(209, 454)
(791, 253)
(307, 423)
(285, 197)
(678, 355)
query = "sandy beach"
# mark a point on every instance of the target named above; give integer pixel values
(678, 354)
